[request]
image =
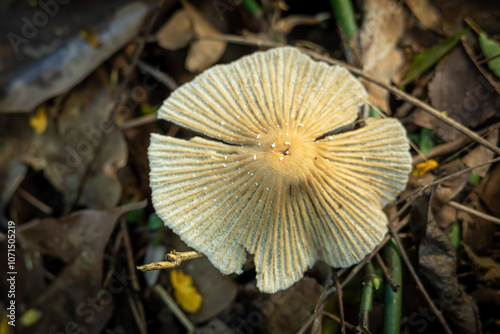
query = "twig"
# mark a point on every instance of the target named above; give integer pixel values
(172, 260)
(355, 329)
(136, 312)
(162, 77)
(137, 307)
(114, 253)
(236, 39)
(341, 304)
(417, 192)
(452, 146)
(394, 285)
(167, 299)
(476, 213)
(438, 313)
(139, 121)
(130, 255)
(480, 62)
(35, 201)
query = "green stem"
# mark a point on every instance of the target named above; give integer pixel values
(344, 15)
(253, 7)
(367, 296)
(392, 309)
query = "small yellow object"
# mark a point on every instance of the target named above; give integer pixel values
(424, 167)
(39, 121)
(185, 293)
(30, 317)
(90, 37)
(5, 328)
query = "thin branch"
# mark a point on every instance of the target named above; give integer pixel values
(172, 260)
(341, 304)
(172, 305)
(417, 192)
(139, 121)
(351, 327)
(394, 285)
(240, 40)
(476, 213)
(35, 201)
(480, 62)
(130, 255)
(135, 304)
(452, 146)
(139, 317)
(438, 313)
(162, 77)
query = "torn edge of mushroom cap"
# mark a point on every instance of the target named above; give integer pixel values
(281, 88)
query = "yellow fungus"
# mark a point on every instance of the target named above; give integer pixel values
(185, 293)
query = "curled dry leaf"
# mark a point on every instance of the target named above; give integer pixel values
(180, 30)
(276, 183)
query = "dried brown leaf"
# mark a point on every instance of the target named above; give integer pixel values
(481, 154)
(177, 32)
(382, 59)
(203, 53)
(468, 100)
(427, 14)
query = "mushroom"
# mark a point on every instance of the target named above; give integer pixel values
(278, 180)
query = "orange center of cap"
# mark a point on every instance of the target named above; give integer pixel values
(288, 154)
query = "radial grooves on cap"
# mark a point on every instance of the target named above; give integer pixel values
(236, 102)
(374, 158)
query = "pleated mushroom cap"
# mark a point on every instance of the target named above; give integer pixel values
(273, 182)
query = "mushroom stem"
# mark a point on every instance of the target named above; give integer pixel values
(172, 260)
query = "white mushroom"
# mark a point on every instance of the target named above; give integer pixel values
(284, 195)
